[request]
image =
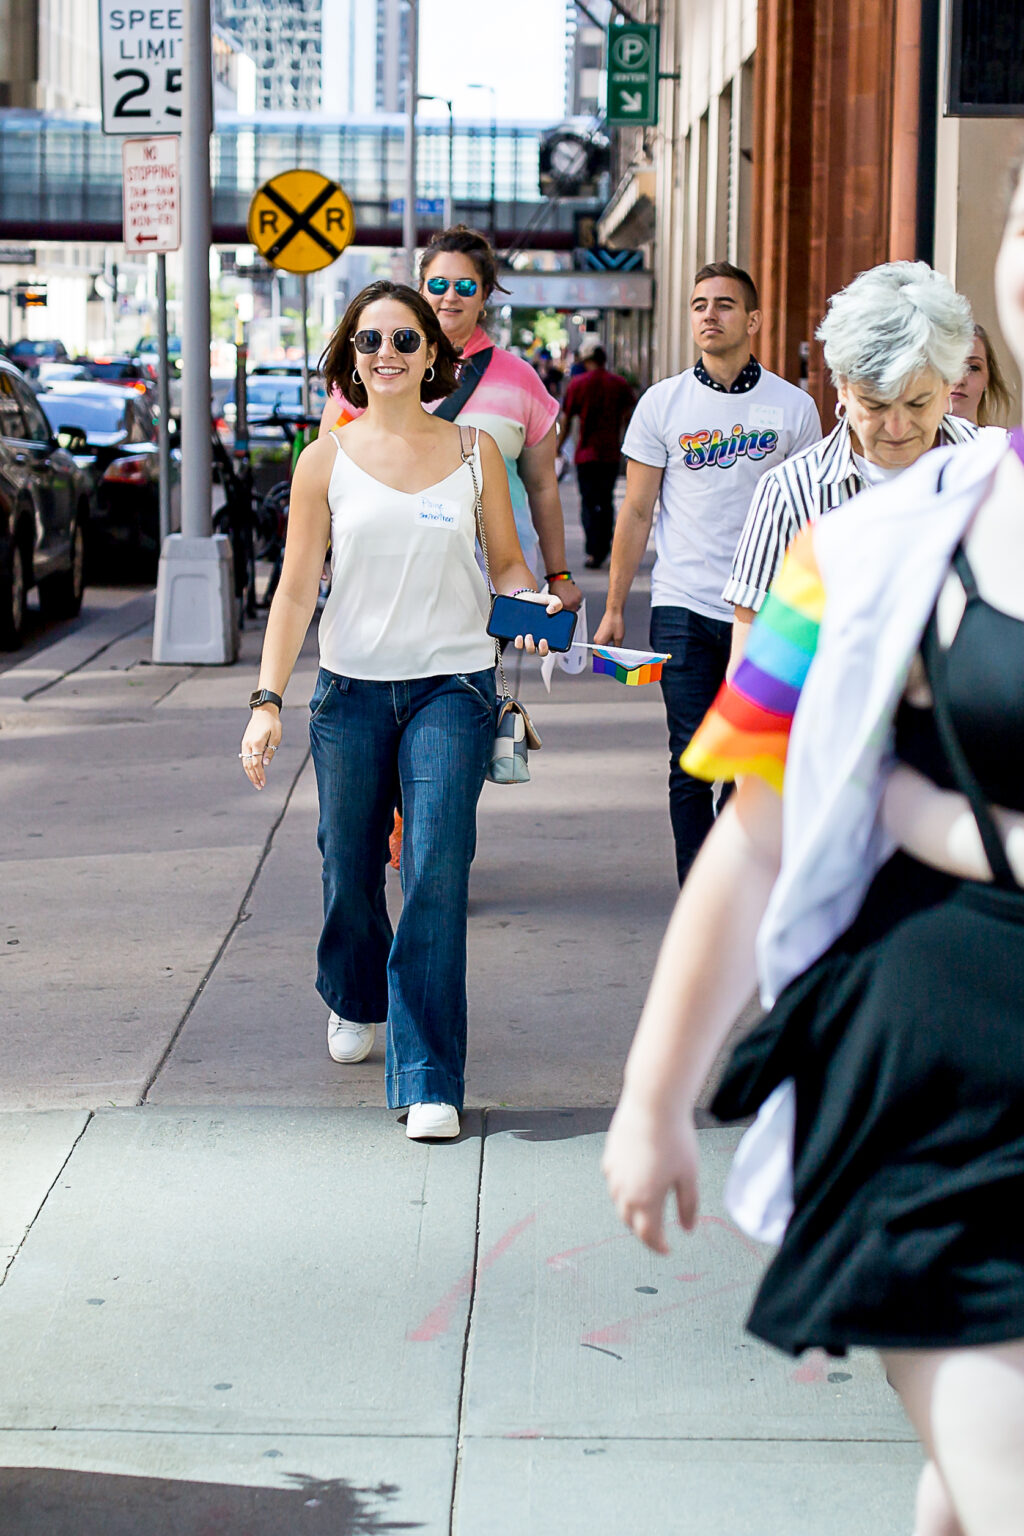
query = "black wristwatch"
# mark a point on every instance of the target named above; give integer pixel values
(264, 696)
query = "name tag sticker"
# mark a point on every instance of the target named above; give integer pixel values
(766, 418)
(437, 514)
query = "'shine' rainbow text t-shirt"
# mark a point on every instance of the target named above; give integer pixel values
(714, 447)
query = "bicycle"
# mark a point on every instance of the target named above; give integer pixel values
(272, 514)
(236, 519)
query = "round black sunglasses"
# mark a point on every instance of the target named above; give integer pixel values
(405, 340)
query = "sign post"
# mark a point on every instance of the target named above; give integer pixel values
(632, 75)
(152, 222)
(301, 222)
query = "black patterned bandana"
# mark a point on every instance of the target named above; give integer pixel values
(745, 380)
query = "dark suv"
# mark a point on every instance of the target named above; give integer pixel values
(27, 355)
(44, 512)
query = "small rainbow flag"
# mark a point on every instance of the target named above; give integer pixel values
(634, 668)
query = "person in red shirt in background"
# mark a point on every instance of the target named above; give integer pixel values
(604, 402)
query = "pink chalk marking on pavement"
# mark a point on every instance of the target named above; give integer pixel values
(727, 1226)
(439, 1320)
(621, 1332)
(564, 1260)
(813, 1369)
(699, 1276)
(523, 1434)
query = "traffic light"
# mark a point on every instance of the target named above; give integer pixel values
(569, 163)
(30, 298)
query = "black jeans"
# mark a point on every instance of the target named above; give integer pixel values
(700, 655)
(597, 507)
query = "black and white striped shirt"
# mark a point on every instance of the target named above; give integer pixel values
(797, 492)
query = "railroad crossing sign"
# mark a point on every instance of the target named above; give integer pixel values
(300, 221)
(632, 75)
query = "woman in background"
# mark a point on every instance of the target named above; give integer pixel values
(982, 395)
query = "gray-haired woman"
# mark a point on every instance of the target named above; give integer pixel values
(896, 341)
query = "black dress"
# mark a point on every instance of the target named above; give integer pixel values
(906, 1043)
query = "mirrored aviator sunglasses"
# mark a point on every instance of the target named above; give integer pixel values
(406, 340)
(465, 287)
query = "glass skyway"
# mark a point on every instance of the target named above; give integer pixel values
(60, 178)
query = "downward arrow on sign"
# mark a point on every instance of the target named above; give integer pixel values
(632, 101)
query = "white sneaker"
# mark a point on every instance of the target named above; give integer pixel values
(432, 1120)
(348, 1042)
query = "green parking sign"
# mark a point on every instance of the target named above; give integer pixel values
(632, 75)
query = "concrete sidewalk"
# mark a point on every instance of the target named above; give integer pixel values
(235, 1297)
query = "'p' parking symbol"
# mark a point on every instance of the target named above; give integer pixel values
(631, 51)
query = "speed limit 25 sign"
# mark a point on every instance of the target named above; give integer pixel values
(141, 48)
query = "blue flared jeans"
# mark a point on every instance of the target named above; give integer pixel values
(428, 739)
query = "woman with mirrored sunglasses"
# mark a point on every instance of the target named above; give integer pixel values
(405, 697)
(458, 274)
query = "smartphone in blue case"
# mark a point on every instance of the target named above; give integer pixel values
(512, 616)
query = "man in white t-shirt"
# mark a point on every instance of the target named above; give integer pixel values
(700, 441)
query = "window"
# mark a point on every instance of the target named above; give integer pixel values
(141, 427)
(11, 421)
(90, 413)
(38, 430)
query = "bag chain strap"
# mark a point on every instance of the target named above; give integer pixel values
(478, 513)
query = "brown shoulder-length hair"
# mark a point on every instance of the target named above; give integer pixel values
(340, 357)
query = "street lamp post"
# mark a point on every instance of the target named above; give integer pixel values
(195, 620)
(412, 93)
(449, 202)
(477, 86)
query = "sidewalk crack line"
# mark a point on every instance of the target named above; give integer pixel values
(470, 1309)
(239, 918)
(34, 693)
(52, 1186)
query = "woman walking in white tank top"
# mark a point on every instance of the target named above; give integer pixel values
(405, 697)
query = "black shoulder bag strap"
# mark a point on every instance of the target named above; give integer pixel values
(472, 372)
(935, 665)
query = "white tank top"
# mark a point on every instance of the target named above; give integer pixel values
(407, 596)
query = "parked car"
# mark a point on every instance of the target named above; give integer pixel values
(148, 349)
(27, 355)
(47, 374)
(283, 369)
(124, 372)
(266, 396)
(44, 511)
(147, 353)
(119, 452)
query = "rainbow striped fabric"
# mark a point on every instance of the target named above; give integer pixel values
(747, 728)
